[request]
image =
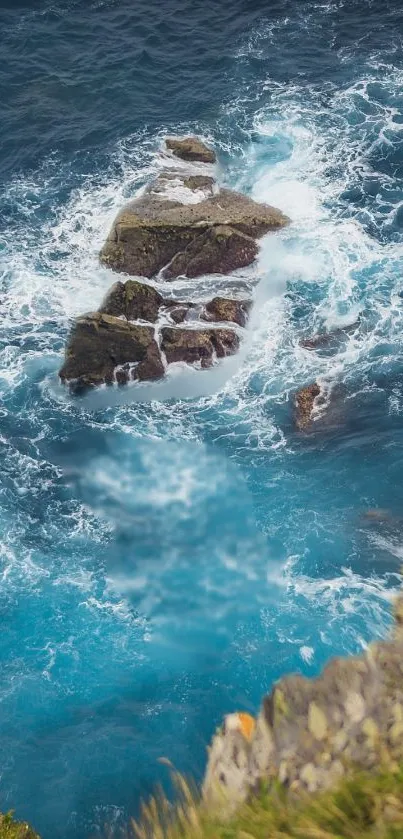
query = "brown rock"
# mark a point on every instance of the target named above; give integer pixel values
(100, 343)
(304, 404)
(132, 300)
(219, 250)
(331, 339)
(190, 148)
(222, 309)
(198, 345)
(152, 230)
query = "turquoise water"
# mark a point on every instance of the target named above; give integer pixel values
(168, 551)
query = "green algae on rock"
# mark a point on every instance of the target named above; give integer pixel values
(10, 829)
(132, 300)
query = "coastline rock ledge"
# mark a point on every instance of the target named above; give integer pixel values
(310, 733)
(182, 225)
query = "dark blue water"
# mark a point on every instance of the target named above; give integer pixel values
(168, 552)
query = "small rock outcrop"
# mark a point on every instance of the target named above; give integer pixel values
(103, 349)
(190, 148)
(132, 300)
(304, 405)
(215, 235)
(224, 309)
(311, 732)
(198, 345)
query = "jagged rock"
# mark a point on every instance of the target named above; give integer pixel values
(132, 300)
(220, 250)
(103, 349)
(222, 309)
(304, 405)
(150, 231)
(198, 345)
(310, 732)
(190, 148)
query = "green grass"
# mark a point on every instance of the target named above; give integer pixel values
(363, 806)
(9, 829)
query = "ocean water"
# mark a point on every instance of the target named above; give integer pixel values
(168, 551)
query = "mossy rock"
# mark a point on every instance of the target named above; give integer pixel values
(10, 829)
(132, 300)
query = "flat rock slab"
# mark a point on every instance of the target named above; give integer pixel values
(151, 231)
(191, 148)
(198, 345)
(103, 349)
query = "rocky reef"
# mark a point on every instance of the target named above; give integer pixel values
(310, 733)
(182, 225)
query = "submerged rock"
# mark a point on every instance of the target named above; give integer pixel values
(132, 300)
(222, 309)
(304, 405)
(190, 148)
(311, 732)
(103, 349)
(198, 345)
(215, 235)
(325, 340)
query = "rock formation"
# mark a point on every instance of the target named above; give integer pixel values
(198, 345)
(311, 732)
(304, 405)
(103, 349)
(215, 235)
(182, 225)
(191, 148)
(224, 309)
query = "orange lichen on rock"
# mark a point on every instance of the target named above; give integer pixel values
(242, 722)
(248, 724)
